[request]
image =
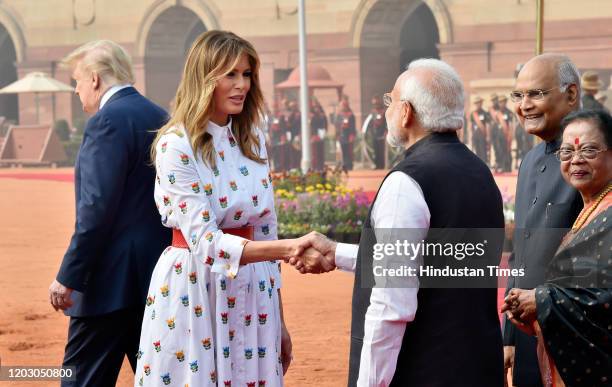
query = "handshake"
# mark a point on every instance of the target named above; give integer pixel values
(313, 253)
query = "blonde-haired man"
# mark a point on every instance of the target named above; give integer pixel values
(105, 273)
(98, 67)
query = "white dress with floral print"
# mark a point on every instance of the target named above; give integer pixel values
(209, 321)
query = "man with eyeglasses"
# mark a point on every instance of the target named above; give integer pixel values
(407, 328)
(547, 89)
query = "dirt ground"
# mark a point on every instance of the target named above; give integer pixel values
(38, 221)
(38, 218)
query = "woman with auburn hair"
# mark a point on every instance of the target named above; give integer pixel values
(213, 314)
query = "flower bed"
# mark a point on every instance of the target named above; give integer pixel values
(318, 201)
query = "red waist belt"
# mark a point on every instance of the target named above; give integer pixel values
(245, 232)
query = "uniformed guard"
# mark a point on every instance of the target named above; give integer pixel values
(375, 130)
(505, 121)
(318, 130)
(278, 139)
(479, 125)
(293, 124)
(346, 133)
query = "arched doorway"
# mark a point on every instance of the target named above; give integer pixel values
(168, 41)
(394, 33)
(419, 36)
(9, 107)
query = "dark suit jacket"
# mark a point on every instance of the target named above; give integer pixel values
(118, 235)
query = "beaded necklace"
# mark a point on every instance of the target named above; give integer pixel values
(586, 212)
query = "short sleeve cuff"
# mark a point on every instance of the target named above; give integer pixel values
(346, 256)
(228, 256)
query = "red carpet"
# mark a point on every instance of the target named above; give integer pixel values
(66, 177)
(69, 178)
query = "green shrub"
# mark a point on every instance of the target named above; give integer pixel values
(62, 129)
(71, 148)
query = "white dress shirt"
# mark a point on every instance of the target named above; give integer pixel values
(400, 205)
(109, 93)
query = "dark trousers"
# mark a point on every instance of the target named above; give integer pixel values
(479, 144)
(503, 158)
(317, 152)
(296, 157)
(347, 155)
(379, 152)
(97, 344)
(526, 372)
(279, 156)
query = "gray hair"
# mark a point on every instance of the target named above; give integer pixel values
(568, 74)
(438, 100)
(106, 58)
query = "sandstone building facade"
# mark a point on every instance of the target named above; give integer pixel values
(362, 44)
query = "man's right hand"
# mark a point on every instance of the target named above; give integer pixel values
(59, 296)
(315, 253)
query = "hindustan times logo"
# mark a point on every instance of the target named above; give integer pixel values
(412, 250)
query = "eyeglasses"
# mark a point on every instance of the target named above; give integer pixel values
(535, 94)
(387, 100)
(585, 153)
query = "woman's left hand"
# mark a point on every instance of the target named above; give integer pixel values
(525, 304)
(286, 348)
(525, 328)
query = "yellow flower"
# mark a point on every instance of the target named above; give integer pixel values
(299, 188)
(319, 186)
(310, 188)
(328, 186)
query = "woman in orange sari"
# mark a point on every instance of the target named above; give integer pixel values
(570, 314)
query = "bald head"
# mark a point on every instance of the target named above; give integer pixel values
(553, 82)
(558, 65)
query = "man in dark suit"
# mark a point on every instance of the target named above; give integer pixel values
(118, 236)
(547, 89)
(411, 330)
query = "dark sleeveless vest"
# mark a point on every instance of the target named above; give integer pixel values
(455, 338)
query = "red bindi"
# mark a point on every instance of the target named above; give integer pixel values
(577, 141)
